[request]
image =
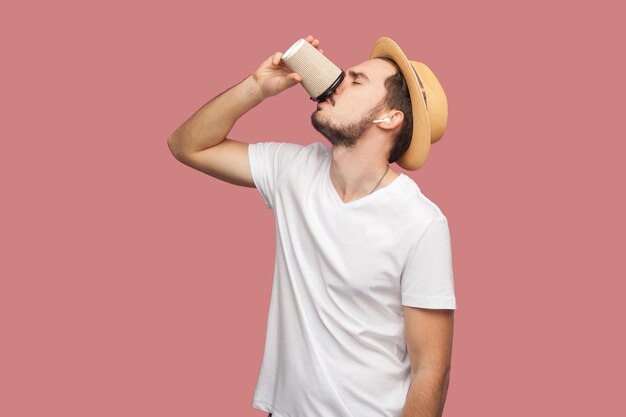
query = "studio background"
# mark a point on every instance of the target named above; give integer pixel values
(132, 285)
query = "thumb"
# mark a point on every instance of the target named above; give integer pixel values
(295, 77)
(290, 80)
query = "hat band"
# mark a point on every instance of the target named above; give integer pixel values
(419, 80)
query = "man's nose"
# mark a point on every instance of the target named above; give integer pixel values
(340, 87)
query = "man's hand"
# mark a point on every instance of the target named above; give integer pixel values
(273, 76)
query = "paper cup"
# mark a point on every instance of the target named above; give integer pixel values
(320, 77)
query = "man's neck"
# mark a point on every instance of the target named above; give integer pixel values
(355, 173)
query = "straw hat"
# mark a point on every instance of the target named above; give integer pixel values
(430, 106)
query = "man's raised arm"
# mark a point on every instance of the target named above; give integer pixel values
(201, 142)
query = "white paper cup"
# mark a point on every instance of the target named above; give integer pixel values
(320, 77)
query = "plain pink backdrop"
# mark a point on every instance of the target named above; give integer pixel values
(132, 285)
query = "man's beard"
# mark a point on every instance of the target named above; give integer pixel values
(346, 135)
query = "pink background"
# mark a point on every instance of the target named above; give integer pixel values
(132, 285)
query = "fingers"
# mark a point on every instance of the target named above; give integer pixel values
(276, 58)
(315, 42)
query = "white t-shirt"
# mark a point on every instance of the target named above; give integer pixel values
(335, 342)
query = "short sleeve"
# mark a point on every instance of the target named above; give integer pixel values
(427, 279)
(268, 160)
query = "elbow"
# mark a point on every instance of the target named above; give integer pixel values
(171, 143)
(174, 148)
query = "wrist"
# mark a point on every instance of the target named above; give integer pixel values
(253, 89)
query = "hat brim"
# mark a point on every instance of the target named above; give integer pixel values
(417, 152)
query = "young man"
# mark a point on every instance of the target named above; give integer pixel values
(361, 314)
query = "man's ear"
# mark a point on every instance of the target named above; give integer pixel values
(396, 117)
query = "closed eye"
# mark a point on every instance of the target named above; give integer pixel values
(354, 82)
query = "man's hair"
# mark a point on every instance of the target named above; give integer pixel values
(398, 98)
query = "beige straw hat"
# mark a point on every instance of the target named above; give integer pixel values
(430, 106)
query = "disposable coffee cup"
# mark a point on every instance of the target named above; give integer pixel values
(320, 77)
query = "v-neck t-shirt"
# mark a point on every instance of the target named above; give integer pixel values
(335, 343)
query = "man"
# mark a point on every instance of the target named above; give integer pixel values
(361, 313)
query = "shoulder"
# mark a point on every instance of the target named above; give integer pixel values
(282, 154)
(421, 209)
(318, 149)
(274, 147)
(291, 148)
(314, 153)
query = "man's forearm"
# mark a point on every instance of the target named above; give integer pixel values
(427, 394)
(210, 124)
